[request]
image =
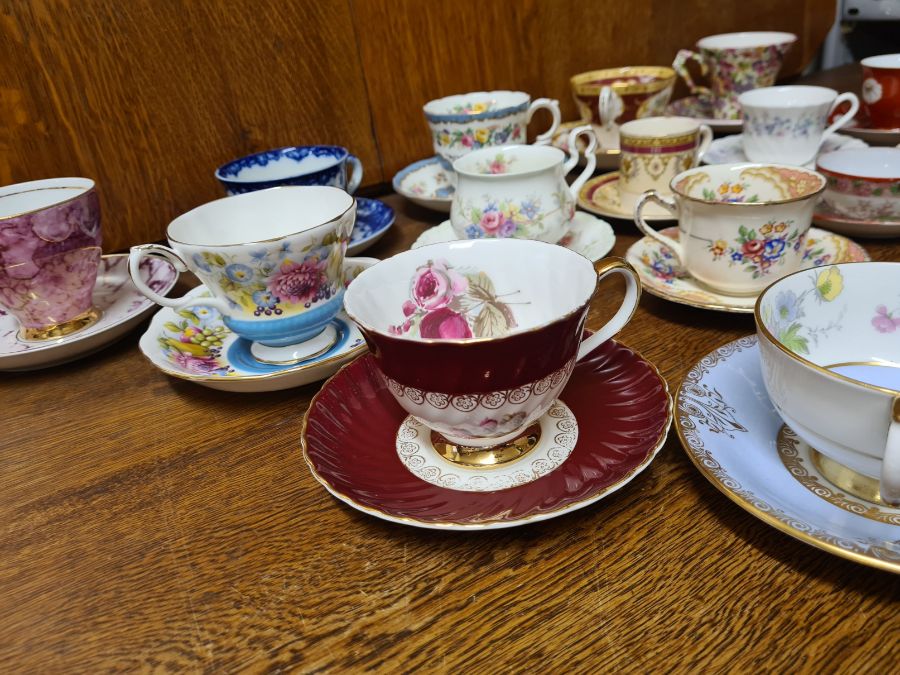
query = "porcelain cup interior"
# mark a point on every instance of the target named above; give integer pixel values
(741, 226)
(881, 90)
(831, 363)
(631, 92)
(294, 165)
(863, 183)
(50, 248)
(477, 338)
(271, 259)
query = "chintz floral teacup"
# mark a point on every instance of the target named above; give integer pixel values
(519, 190)
(476, 339)
(740, 226)
(462, 123)
(272, 260)
(49, 255)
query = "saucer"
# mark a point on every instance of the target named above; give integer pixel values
(356, 461)
(607, 157)
(600, 195)
(174, 343)
(427, 183)
(373, 219)
(736, 439)
(729, 149)
(700, 108)
(661, 277)
(122, 307)
(859, 129)
(588, 235)
(827, 217)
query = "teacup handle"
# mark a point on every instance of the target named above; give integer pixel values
(357, 174)
(552, 105)
(680, 67)
(843, 119)
(706, 136)
(138, 253)
(610, 107)
(604, 268)
(589, 155)
(669, 205)
(889, 485)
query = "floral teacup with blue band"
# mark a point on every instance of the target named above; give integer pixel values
(740, 226)
(296, 165)
(787, 124)
(466, 122)
(280, 290)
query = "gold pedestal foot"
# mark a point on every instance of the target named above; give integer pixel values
(76, 323)
(847, 479)
(491, 456)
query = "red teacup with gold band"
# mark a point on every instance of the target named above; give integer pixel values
(476, 339)
(881, 91)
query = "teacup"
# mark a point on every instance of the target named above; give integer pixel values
(831, 364)
(881, 91)
(519, 190)
(49, 254)
(740, 226)
(477, 338)
(281, 288)
(786, 125)
(613, 96)
(465, 122)
(863, 184)
(654, 149)
(735, 63)
(294, 165)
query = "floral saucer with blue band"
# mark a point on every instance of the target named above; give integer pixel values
(735, 438)
(428, 183)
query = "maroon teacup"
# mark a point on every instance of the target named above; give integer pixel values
(476, 339)
(881, 91)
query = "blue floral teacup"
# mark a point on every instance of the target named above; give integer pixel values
(296, 165)
(280, 290)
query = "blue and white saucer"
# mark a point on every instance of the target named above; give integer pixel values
(732, 433)
(427, 183)
(373, 219)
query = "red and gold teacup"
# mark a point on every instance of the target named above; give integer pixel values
(477, 338)
(881, 91)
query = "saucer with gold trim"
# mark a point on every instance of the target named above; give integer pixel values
(662, 276)
(732, 433)
(600, 196)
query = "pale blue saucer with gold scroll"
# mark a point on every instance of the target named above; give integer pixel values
(732, 433)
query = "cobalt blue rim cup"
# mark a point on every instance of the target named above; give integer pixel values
(281, 288)
(293, 165)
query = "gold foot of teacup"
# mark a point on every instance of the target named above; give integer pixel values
(58, 330)
(846, 479)
(491, 456)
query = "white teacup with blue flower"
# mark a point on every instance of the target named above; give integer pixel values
(280, 290)
(294, 165)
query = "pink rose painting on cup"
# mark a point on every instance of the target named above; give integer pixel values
(446, 303)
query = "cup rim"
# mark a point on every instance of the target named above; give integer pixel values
(342, 151)
(249, 195)
(746, 98)
(45, 184)
(557, 155)
(858, 176)
(348, 296)
(872, 61)
(623, 131)
(583, 83)
(438, 117)
(777, 37)
(747, 165)
(764, 332)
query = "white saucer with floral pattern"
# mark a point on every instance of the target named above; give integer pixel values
(663, 277)
(588, 235)
(733, 435)
(121, 305)
(600, 195)
(428, 183)
(730, 149)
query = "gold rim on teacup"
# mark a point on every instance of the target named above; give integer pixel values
(700, 173)
(586, 84)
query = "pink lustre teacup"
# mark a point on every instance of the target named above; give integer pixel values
(740, 226)
(466, 122)
(49, 254)
(735, 63)
(863, 183)
(281, 288)
(519, 190)
(476, 339)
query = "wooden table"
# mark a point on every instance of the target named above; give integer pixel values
(148, 523)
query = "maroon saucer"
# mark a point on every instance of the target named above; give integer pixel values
(620, 400)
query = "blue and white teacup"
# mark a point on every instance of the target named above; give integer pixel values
(280, 290)
(295, 165)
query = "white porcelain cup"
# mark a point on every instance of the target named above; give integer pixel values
(740, 226)
(519, 190)
(787, 125)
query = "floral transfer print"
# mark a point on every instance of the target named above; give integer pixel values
(453, 303)
(194, 344)
(785, 127)
(660, 263)
(470, 108)
(785, 319)
(871, 90)
(758, 252)
(886, 321)
(479, 137)
(498, 165)
(863, 188)
(501, 218)
(738, 191)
